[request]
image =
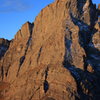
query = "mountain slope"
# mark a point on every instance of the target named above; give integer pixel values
(57, 57)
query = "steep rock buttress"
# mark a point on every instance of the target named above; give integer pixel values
(51, 58)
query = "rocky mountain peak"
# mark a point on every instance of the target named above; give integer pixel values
(4, 41)
(81, 9)
(24, 32)
(57, 57)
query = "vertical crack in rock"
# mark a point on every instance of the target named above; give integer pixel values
(6, 73)
(31, 98)
(39, 54)
(68, 43)
(46, 84)
(2, 72)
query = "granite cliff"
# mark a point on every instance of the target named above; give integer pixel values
(55, 58)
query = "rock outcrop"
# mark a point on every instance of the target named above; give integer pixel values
(4, 45)
(15, 55)
(96, 37)
(56, 58)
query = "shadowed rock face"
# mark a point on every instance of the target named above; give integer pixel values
(4, 44)
(57, 57)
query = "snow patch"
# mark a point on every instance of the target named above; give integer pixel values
(82, 26)
(91, 45)
(75, 73)
(95, 57)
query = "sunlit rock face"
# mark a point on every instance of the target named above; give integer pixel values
(55, 58)
(96, 37)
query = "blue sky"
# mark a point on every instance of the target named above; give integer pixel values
(14, 13)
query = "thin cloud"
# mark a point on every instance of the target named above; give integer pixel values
(15, 5)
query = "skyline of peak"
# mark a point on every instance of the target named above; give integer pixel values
(13, 14)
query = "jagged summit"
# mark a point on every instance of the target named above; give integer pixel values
(25, 31)
(57, 57)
